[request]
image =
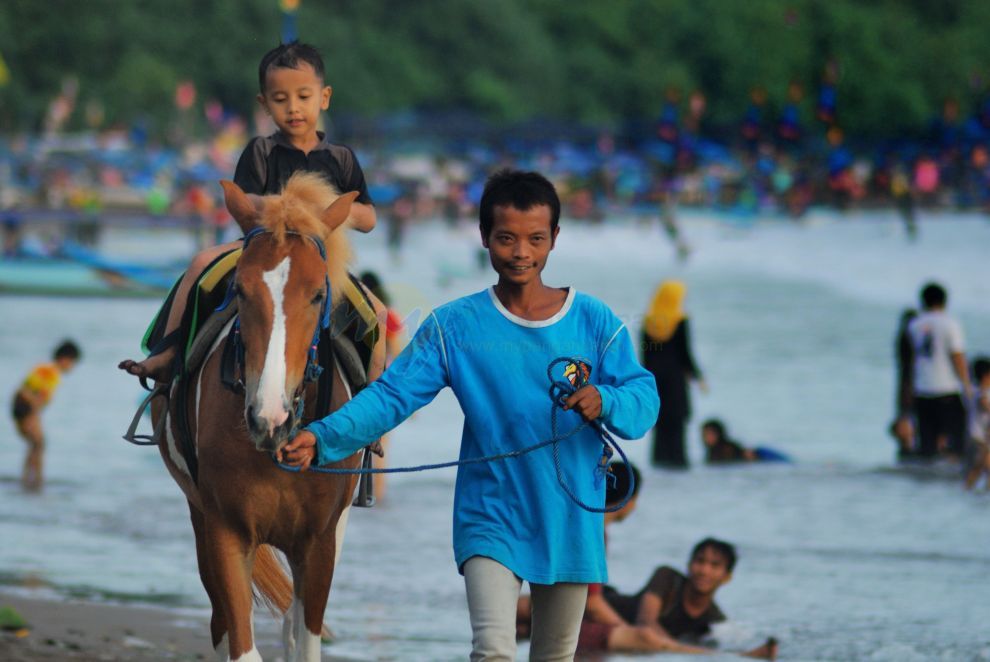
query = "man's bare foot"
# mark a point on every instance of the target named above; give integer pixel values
(767, 651)
(157, 366)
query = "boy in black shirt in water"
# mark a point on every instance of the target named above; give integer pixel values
(673, 611)
(670, 614)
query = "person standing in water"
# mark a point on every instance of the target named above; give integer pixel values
(979, 424)
(903, 426)
(941, 376)
(31, 398)
(495, 350)
(667, 354)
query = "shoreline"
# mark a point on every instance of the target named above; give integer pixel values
(71, 629)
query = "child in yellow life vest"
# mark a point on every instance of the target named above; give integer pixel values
(33, 395)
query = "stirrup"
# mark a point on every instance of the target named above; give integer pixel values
(366, 484)
(148, 439)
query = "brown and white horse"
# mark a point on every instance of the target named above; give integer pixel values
(242, 502)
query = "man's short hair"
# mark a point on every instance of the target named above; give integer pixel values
(67, 350)
(726, 550)
(288, 56)
(519, 189)
(980, 367)
(616, 491)
(933, 295)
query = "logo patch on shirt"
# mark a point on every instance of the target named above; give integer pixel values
(578, 373)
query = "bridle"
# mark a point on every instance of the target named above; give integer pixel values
(313, 367)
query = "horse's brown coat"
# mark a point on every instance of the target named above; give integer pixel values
(243, 500)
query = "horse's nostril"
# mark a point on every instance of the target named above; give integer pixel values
(252, 420)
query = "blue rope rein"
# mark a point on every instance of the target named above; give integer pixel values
(558, 392)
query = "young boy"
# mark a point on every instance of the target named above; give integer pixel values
(604, 628)
(512, 520)
(34, 395)
(293, 93)
(979, 423)
(672, 608)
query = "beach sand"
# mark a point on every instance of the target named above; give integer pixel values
(76, 630)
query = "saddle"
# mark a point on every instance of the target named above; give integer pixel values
(349, 341)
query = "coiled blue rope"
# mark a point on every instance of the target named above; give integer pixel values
(559, 391)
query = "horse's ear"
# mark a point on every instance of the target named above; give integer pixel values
(240, 206)
(338, 210)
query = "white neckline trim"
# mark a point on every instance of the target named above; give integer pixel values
(533, 324)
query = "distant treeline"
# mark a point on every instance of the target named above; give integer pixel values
(609, 62)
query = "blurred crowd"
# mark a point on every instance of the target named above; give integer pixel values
(770, 162)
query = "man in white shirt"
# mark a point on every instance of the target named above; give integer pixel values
(940, 376)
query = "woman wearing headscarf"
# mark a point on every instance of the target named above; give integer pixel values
(667, 354)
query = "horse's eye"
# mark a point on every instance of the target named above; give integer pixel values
(318, 299)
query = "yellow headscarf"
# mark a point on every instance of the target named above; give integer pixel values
(666, 311)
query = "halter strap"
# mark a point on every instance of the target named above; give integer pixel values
(313, 367)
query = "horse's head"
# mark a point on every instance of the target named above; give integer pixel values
(281, 287)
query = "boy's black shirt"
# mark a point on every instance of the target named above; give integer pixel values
(267, 162)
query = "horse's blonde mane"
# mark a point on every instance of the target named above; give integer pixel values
(299, 208)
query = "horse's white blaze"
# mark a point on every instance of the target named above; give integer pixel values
(272, 401)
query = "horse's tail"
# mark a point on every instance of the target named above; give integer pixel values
(272, 586)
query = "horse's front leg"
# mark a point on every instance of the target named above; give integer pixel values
(231, 556)
(218, 626)
(312, 572)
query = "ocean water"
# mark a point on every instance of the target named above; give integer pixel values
(841, 556)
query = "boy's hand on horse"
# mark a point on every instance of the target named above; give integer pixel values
(586, 401)
(300, 451)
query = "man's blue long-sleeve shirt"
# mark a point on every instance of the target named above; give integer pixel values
(512, 511)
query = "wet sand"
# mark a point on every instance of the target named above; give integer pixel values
(76, 630)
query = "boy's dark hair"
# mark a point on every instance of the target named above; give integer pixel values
(519, 189)
(933, 295)
(288, 56)
(720, 547)
(980, 367)
(717, 425)
(67, 350)
(616, 492)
